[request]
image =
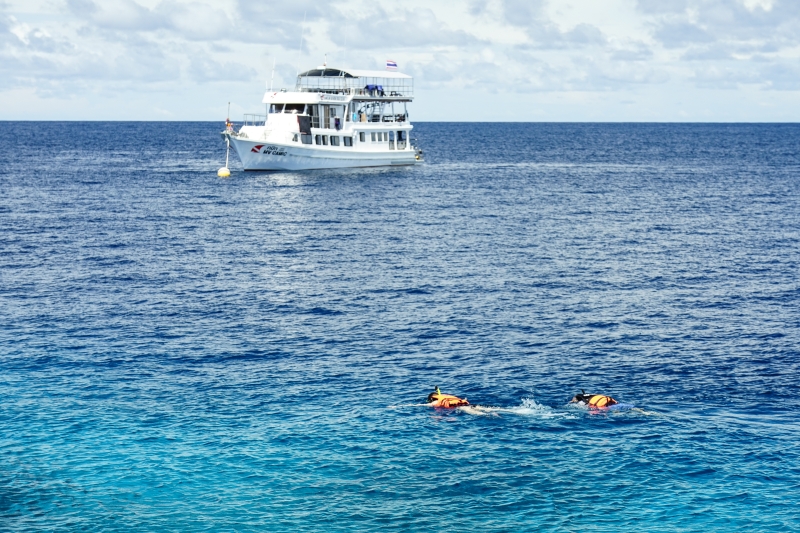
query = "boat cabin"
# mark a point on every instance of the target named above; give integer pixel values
(334, 107)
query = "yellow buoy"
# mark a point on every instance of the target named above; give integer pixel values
(225, 172)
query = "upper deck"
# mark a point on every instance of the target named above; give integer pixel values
(359, 84)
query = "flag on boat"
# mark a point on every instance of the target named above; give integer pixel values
(391, 64)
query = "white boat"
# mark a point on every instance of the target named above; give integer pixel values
(333, 118)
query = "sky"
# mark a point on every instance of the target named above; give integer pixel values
(472, 60)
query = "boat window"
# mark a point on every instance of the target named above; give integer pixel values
(380, 136)
(373, 136)
(304, 124)
(276, 108)
(324, 140)
(348, 141)
(326, 110)
(305, 138)
(318, 139)
(362, 136)
(294, 137)
(334, 140)
(294, 108)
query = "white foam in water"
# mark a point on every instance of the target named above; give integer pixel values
(529, 407)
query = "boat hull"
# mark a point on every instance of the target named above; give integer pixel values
(263, 155)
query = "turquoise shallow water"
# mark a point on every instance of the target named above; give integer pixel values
(184, 353)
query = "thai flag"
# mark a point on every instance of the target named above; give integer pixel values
(391, 64)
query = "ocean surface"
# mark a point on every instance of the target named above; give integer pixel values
(180, 352)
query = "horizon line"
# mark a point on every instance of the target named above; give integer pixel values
(434, 121)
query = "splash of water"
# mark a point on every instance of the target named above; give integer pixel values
(528, 407)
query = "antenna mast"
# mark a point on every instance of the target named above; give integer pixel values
(302, 34)
(272, 78)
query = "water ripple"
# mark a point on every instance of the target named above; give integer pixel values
(184, 353)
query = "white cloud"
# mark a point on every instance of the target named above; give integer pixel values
(752, 5)
(190, 54)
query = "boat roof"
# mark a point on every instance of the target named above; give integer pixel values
(329, 72)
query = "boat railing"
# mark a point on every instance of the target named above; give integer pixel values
(262, 134)
(356, 92)
(377, 117)
(254, 120)
(372, 87)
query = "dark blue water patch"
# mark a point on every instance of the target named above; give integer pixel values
(181, 352)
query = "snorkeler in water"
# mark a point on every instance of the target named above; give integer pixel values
(593, 401)
(447, 401)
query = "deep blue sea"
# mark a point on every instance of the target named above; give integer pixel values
(180, 352)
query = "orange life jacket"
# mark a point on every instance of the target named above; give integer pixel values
(598, 400)
(447, 401)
